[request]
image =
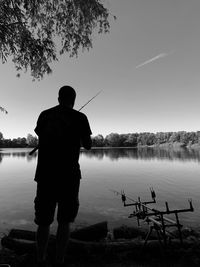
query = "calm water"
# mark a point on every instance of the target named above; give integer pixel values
(174, 175)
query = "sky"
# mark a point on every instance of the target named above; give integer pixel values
(148, 68)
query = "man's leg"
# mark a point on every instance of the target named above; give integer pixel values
(62, 239)
(68, 206)
(42, 239)
(44, 215)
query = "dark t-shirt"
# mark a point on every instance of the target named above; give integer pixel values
(60, 130)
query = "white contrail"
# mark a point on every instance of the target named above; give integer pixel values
(162, 55)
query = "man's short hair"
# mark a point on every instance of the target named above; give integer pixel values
(67, 94)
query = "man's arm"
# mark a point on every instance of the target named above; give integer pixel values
(40, 124)
(37, 131)
(86, 132)
(86, 142)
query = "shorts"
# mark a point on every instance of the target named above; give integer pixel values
(50, 196)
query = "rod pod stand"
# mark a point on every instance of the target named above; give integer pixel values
(156, 219)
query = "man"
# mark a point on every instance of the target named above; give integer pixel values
(61, 131)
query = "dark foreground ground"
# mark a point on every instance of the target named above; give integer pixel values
(153, 254)
(183, 257)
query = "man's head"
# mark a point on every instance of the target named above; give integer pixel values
(66, 96)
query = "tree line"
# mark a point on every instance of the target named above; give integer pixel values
(147, 139)
(119, 140)
(29, 141)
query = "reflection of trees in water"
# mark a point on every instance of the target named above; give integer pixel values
(32, 157)
(147, 153)
(181, 154)
(113, 154)
(96, 153)
(18, 154)
(116, 154)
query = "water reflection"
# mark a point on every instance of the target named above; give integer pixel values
(136, 170)
(181, 154)
(15, 153)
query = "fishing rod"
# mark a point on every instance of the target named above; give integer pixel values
(37, 147)
(143, 204)
(89, 100)
(154, 217)
(124, 197)
(141, 208)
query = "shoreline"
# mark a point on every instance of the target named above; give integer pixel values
(162, 145)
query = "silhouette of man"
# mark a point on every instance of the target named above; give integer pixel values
(61, 131)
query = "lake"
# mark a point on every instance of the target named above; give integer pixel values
(174, 175)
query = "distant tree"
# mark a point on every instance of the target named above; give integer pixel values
(151, 139)
(131, 140)
(184, 137)
(98, 141)
(162, 137)
(23, 142)
(31, 140)
(113, 140)
(173, 137)
(14, 142)
(19, 142)
(7, 143)
(1, 139)
(193, 137)
(142, 139)
(34, 32)
(1, 136)
(198, 137)
(122, 140)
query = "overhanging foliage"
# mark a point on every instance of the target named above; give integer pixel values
(35, 32)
